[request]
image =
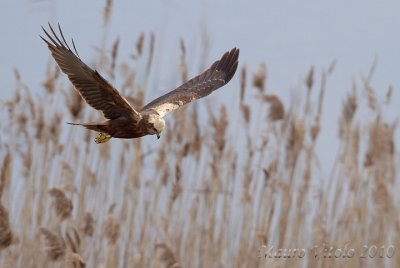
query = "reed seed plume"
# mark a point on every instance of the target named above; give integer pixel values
(349, 109)
(310, 78)
(6, 235)
(61, 203)
(167, 256)
(388, 95)
(381, 143)
(220, 125)
(276, 108)
(260, 77)
(75, 260)
(112, 229)
(88, 224)
(370, 95)
(53, 73)
(139, 46)
(74, 103)
(176, 187)
(55, 246)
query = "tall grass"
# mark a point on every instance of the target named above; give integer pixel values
(221, 187)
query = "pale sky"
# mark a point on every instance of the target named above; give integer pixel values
(289, 36)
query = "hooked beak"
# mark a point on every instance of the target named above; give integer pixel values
(158, 136)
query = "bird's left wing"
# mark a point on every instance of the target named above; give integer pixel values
(219, 74)
(96, 91)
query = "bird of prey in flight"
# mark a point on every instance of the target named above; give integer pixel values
(122, 120)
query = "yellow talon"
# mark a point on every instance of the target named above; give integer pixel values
(102, 138)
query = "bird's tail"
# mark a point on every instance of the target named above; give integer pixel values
(96, 126)
(101, 127)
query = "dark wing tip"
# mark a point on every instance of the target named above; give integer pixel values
(228, 63)
(47, 42)
(55, 42)
(231, 72)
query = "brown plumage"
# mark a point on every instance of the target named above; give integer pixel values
(122, 120)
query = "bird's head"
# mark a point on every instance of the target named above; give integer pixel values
(156, 125)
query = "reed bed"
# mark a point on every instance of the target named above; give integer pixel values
(221, 187)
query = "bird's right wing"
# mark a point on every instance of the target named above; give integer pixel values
(218, 75)
(96, 91)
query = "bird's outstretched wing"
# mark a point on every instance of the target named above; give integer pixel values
(96, 91)
(219, 74)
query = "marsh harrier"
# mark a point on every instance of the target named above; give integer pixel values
(122, 120)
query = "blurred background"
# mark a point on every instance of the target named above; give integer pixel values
(290, 37)
(328, 70)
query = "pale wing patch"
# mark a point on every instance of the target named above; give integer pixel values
(166, 108)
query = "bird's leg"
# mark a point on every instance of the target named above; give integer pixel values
(102, 138)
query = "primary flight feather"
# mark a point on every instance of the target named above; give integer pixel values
(123, 121)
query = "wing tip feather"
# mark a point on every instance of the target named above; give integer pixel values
(229, 63)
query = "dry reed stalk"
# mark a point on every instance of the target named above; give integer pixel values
(114, 54)
(246, 113)
(176, 187)
(324, 77)
(316, 127)
(205, 47)
(40, 124)
(27, 162)
(183, 65)
(74, 242)
(107, 12)
(196, 142)
(315, 130)
(151, 53)
(295, 141)
(243, 74)
(5, 173)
